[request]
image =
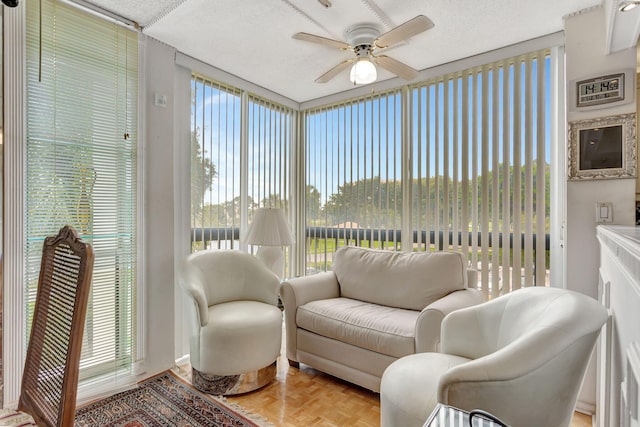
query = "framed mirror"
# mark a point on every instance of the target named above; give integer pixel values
(602, 148)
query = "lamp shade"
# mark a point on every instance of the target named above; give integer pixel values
(269, 228)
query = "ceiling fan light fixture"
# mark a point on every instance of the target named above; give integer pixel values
(363, 72)
(626, 6)
(363, 39)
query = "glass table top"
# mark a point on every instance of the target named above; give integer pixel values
(447, 416)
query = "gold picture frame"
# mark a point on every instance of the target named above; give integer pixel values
(603, 148)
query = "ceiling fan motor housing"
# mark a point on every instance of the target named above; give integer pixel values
(362, 50)
(361, 35)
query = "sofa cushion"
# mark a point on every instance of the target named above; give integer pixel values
(382, 329)
(399, 279)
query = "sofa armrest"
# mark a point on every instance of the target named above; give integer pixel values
(299, 291)
(430, 319)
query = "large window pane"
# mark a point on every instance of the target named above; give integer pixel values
(481, 154)
(220, 192)
(353, 172)
(479, 145)
(215, 165)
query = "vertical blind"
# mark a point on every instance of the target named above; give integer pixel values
(227, 123)
(269, 142)
(269, 138)
(353, 172)
(481, 155)
(215, 164)
(81, 157)
(479, 144)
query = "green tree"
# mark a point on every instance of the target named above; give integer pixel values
(370, 202)
(203, 172)
(546, 187)
(373, 203)
(313, 204)
(275, 201)
(225, 214)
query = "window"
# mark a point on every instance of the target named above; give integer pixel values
(475, 162)
(81, 157)
(215, 165)
(269, 148)
(353, 171)
(234, 131)
(457, 162)
(481, 158)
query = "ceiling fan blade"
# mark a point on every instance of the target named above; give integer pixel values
(404, 31)
(396, 67)
(334, 71)
(321, 40)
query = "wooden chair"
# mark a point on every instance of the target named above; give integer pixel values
(50, 378)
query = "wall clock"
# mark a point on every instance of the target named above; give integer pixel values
(600, 90)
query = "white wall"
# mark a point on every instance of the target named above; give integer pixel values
(584, 47)
(166, 191)
(159, 202)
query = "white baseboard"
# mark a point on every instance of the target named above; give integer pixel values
(183, 360)
(585, 408)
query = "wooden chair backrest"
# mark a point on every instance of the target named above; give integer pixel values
(50, 378)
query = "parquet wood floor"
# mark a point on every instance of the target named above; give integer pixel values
(581, 420)
(306, 397)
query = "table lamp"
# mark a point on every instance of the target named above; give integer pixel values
(270, 230)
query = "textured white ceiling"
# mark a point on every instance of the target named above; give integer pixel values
(252, 38)
(144, 12)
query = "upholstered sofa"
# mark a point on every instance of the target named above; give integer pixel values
(374, 307)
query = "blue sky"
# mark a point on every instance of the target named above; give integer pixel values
(363, 139)
(374, 129)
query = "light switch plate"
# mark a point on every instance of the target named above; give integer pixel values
(159, 100)
(604, 212)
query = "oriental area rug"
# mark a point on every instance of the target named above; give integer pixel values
(163, 401)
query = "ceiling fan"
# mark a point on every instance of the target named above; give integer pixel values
(364, 40)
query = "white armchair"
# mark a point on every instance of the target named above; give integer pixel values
(521, 357)
(235, 323)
